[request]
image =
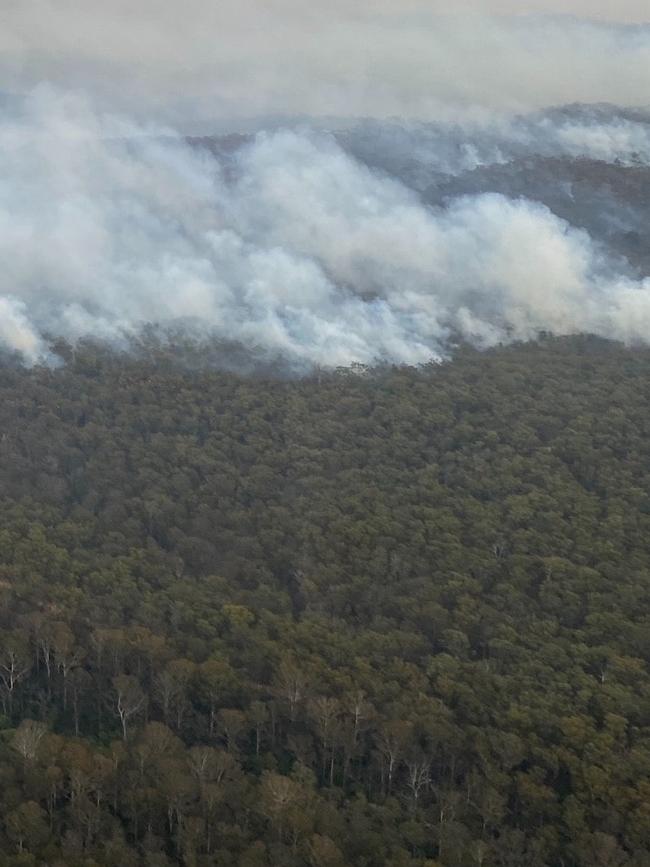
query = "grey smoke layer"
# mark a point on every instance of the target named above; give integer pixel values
(288, 244)
(193, 63)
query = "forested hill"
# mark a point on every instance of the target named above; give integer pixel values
(363, 618)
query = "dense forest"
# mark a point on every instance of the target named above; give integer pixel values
(366, 617)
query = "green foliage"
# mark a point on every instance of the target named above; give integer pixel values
(371, 617)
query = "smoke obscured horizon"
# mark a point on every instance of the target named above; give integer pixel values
(202, 66)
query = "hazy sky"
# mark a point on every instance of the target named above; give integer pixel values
(612, 10)
(197, 61)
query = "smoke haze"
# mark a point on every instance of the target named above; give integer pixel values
(200, 63)
(402, 184)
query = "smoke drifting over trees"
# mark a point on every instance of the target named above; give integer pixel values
(379, 241)
(326, 233)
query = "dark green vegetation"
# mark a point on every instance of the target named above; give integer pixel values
(388, 618)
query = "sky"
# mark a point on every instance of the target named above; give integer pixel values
(197, 64)
(610, 10)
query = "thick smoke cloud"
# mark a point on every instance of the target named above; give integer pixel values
(289, 245)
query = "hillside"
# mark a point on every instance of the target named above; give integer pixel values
(608, 201)
(370, 617)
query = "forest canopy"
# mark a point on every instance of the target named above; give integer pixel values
(391, 616)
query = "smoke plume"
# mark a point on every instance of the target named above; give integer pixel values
(287, 243)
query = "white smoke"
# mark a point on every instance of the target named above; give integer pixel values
(626, 141)
(294, 249)
(17, 332)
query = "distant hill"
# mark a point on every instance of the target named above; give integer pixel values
(608, 199)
